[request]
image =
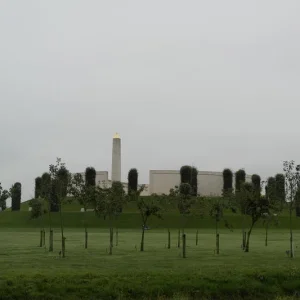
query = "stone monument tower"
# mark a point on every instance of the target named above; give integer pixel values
(116, 158)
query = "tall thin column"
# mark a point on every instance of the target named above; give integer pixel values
(116, 158)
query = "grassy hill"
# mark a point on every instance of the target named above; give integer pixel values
(130, 218)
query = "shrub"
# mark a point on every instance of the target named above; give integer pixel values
(38, 187)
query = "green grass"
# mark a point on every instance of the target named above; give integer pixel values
(30, 272)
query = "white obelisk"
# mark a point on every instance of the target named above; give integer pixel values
(116, 158)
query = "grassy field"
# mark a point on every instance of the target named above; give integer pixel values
(30, 272)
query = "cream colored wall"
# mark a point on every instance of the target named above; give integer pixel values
(209, 183)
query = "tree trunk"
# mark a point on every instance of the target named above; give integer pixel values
(218, 243)
(63, 254)
(51, 241)
(117, 237)
(291, 236)
(50, 231)
(248, 238)
(142, 241)
(217, 238)
(41, 238)
(184, 245)
(86, 239)
(266, 239)
(44, 237)
(197, 238)
(111, 238)
(178, 245)
(169, 239)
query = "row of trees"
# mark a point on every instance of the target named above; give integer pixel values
(108, 202)
(15, 193)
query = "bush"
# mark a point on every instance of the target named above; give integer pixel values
(256, 181)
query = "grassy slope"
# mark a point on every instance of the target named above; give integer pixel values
(130, 218)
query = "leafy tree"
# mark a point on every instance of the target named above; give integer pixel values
(60, 178)
(227, 182)
(216, 211)
(292, 183)
(189, 175)
(271, 188)
(37, 212)
(185, 174)
(240, 177)
(109, 204)
(147, 208)
(132, 181)
(280, 189)
(194, 181)
(83, 193)
(268, 219)
(255, 206)
(38, 187)
(256, 182)
(48, 195)
(182, 197)
(16, 193)
(4, 195)
(90, 176)
(45, 186)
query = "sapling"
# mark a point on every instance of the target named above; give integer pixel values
(292, 183)
(84, 194)
(147, 208)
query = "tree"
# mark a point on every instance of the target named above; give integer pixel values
(147, 208)
(256, 182)
(268, 219)
(90, 176)
(280, 189)
(185, 174)
(4, 195)
(181, 196)
(37, 211)
(47, 195)
(16, 193)
(292, 183)
(271, 188)
(83, 193)
(255, 206)
(189, 175)
(38, 187)
(132, 181)
(216, 211)
(240, 177)
(194, 181)
(227, 182)
(109, 204)
(60, 178)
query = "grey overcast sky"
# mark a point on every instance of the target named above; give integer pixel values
(209, 83)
